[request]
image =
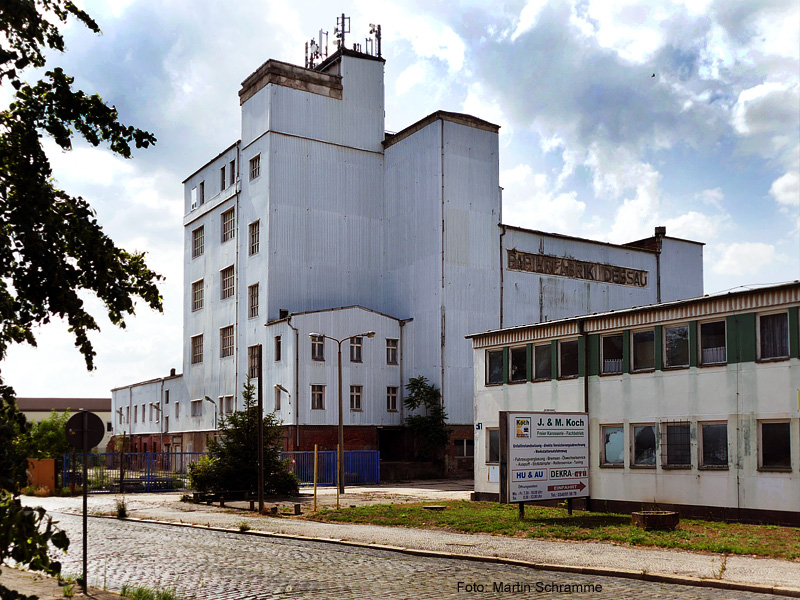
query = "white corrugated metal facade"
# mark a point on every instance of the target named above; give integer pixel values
(405, 225)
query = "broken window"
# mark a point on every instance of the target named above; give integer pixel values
(613, 445)
(643, 350)
(712, 343)
(518, 364)
(494, 366)
(542, 357)
(775, 446)
(676, 346)
(612, 353)
(644, 445)
(676, 445)
(714, 439)
(568, 358)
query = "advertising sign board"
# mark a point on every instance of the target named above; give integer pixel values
(543, 456)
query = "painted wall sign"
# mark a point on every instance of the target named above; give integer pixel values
(546, 456)
(546, 264)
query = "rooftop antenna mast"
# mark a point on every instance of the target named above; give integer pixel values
(376, 31)
(342, 27)
(316, 50)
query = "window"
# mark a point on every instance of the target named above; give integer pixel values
(611, 349)
(127, 414)
(226, 341)
(227, 402)
(317, 397)
(644, 446)
(644, 357)
(222, 178)
(464, 448)
(542, 358)
(713, 445)
(193, 197)
(177, 409)
(676, 346)
(228, 225)
(150, 417)
(391, 352)
(676, 449)
(226, 282)
(355, 397)
(136, 414)
(255, 233)
(494, 366)
(143, 412)
(197, 349)
(773, 336)
(197, 295)
(568, 358)
(252, 301)
(391, 399)
(109, 426)
(613, 445)
(166, 396)
(166, 430)
(712, 343)
(355, 349)
(317, 347)
(252, 362)
(277, 398)
(277, 348)
(197, 408)
(198, 242)
(775, 447)
(518, 364)
(232, 172)
(493, 445)
(201, 193)
(255, 166)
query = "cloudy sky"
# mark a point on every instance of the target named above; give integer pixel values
(616, 117)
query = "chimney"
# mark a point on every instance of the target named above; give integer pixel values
(172, 372)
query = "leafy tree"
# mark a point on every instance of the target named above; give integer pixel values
(430, 429)
(46, 438)
(232, 459)
(51, 247)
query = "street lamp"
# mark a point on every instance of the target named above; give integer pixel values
(340, 451)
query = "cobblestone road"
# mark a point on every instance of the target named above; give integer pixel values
(213, 565)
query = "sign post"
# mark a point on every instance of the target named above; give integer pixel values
(543, 456)
(84, 431)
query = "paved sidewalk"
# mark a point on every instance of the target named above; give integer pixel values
(588, 557)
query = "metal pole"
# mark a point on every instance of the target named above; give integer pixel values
(315, 478)
(260, 436)
(85, 489)
(337, 478)
(340, 449)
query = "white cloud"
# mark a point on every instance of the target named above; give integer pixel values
(695, 226)
(744, 258)
(528, 17)
(711, 197)
(786, 190)
(85, 165)
(768, 108)
(413, 75)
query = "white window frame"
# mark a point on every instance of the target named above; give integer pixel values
(197, 408)
(356, 348)
(643, 465)
(228, 225)
(356, 394)
(227, 282)
(715, 358)
(198, 241)
(634, 354)
(222, 179)
(254, 234)
(226, 344)
(232, 174)
(488, 455)
(197, 349)
(615, 365)
(391, 398)
(667, 446)
(604, 462)
(549, 350)
(701, 464)
(278, 348)
(198, 294)
(252, 362)
(317, 396)
(255, 167)
(392, 351)
(511, 351)
(318, 348)
(488, 357)
(252, 301)
(665, 354)
(759, 348)
(560, 361)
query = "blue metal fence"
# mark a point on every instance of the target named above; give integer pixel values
(361, 467)
(143, 472)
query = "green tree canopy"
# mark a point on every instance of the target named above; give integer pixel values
(51, 246)
(430, 429)
(46, 438)
(232, 459)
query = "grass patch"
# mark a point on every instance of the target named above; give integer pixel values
(554, 523)
(141, 592)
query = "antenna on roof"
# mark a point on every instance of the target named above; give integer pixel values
(376, 31)
(342, 27)
(316, 50)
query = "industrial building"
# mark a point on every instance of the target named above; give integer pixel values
(319, 221)
(692, 404)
